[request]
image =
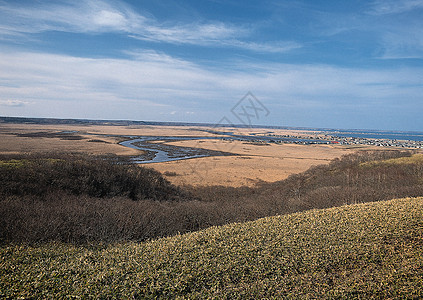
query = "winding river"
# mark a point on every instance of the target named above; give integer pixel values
(157, 153)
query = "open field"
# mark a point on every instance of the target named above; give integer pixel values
(372, 250)
(253, 163)
(10, 143)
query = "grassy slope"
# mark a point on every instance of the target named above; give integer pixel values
(414, 159)
(366, 250)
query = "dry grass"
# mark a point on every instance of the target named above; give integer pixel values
(10, 143)
(415, 159)
(254, 165)
(372, 250)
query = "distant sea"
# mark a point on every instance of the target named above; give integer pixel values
(377, 134)
(360, 133)
(371, 134)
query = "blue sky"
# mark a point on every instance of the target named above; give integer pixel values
(332, 64)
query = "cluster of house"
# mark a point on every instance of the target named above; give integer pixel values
(330, 139)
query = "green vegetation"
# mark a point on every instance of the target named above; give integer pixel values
(415, 159)
(13, 163)
(372, 250)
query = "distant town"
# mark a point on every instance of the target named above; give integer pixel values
(307, 135)
(330, 139)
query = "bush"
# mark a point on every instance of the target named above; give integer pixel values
(85, 199)
(77, 175)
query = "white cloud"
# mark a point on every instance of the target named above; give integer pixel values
(99, 16)
(392, 29)
(276, 47)
(152, 85)
(387, 7)
(189, 34)
(106, 18)
(69, 16)
(13, 103)
(402, 43)
(402, 40)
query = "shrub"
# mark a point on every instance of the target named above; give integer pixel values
(77, 175)
(89, 199)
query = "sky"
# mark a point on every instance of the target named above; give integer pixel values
(347, 64)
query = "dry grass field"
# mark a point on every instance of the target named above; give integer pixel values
(11, 143)
(252, 164)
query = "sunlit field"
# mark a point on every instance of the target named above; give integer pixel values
(372, 250)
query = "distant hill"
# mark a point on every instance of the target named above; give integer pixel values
(372, 250)
(54, 121)
(57, 121)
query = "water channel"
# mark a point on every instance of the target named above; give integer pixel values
(156, 149)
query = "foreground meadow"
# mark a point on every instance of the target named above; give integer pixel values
(372, 250)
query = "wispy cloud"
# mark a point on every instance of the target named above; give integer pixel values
(390, 29)
(399, 23)
(149, 85)
(189, 33)
(100, 16)
(403, 43)
(270, 47)
(68, 16)
(13, 103)
(387, 7)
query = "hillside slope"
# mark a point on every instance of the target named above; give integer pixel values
(87, 199)
(372, 250)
